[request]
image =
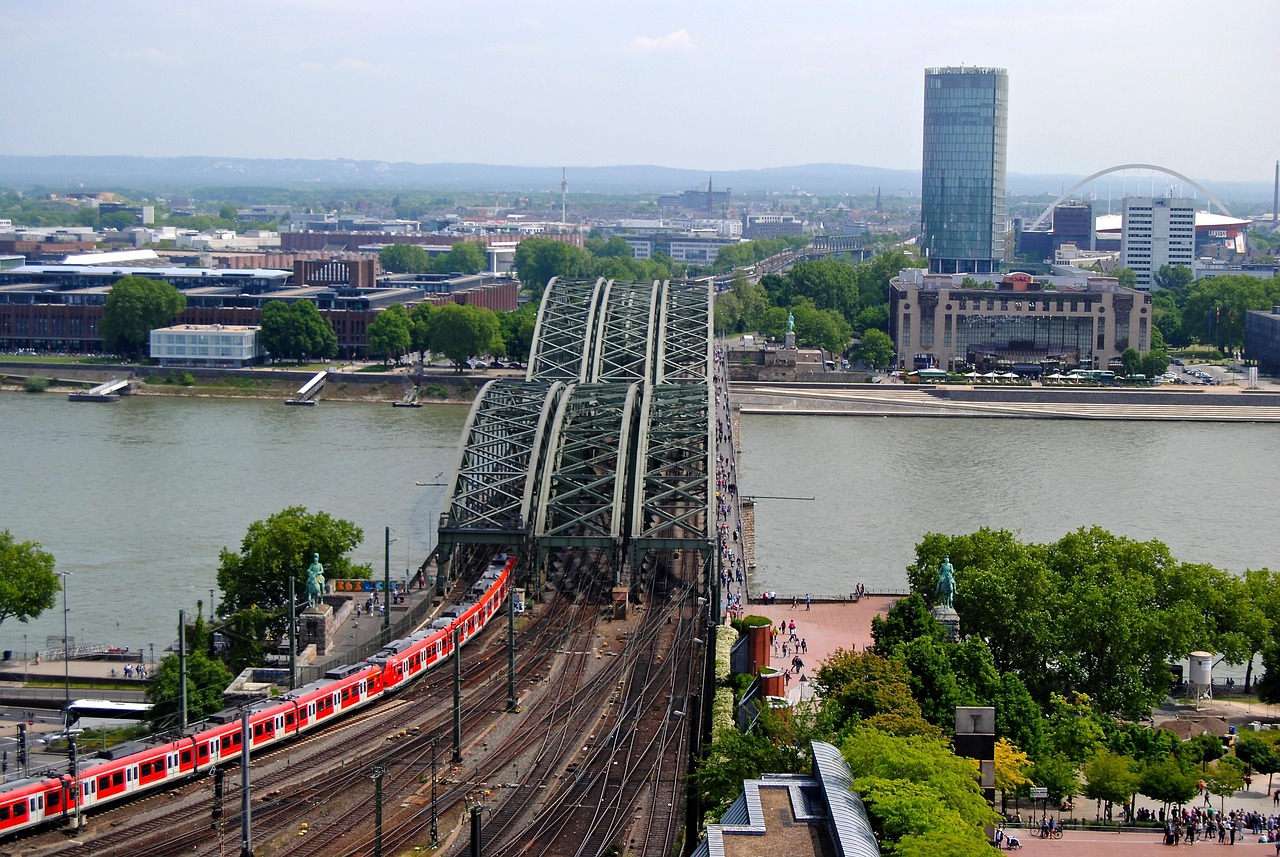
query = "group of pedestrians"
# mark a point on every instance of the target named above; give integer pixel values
(733, 569)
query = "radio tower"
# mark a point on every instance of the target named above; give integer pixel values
(564, 193)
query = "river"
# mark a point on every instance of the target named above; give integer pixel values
(138, 497)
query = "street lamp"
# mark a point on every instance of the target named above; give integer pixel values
(66, 641)
(386, 582)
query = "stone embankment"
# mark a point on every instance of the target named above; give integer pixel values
(1193, 404)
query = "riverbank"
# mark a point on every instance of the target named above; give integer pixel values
(348, 383)
(1190, 404)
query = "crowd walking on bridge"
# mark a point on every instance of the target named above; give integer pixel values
(733, 570)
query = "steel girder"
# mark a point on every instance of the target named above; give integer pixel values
(685, 334)
(673, 498)
(564, 331)
(492, 491)
(623, 351)
(584, 481)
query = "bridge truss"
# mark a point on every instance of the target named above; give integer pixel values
(609, 443)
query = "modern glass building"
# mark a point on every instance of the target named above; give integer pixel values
(962, 212)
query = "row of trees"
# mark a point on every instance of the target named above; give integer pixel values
(457, 332)
(1069, 642)
(464, 257)
(1097, 613)
(539, 259)
(1211, 310)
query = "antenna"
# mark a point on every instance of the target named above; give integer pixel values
(564, 193)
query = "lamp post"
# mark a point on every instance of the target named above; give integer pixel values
(24, 658)
(66, 641)
(386, 582)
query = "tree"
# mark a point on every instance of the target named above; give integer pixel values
(207, 679)
(775, 745)
(1127, 276)
(1226, 778)
(1059, 775)
(1110, 777)
(871, 318)
(1176, 279)
(462, 332)
(906, 620)
(281, 547)
(516, 329)
(135, 306)
(1216, 307)
(1012, 766)
(1165, 780)
(464, 257)
(859, 685)
(819, 328)
(875, 349)
(420, 331)
(829, 283)
(297, 331)
(404, 259)
(539, 259)
(1131, 360)
(918, 793)
(390, 334)
(1204, 748)
(28, 584)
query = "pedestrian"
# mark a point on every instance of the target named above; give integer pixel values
(804, 646)
(793, 602)
(808, 602)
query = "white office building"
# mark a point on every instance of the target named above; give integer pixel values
(214, 345)
(1156, 231)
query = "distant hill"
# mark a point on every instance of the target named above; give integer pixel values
(175, 174)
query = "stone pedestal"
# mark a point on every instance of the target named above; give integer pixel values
(791, 339)
(950, 620)
(315, 628)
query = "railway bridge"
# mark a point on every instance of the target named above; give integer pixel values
(607, 443)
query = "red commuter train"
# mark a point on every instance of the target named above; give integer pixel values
(124, 771)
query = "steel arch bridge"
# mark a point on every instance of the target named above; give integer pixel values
(609, 441)
(1121, 168)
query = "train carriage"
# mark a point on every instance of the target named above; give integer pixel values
(120, 772)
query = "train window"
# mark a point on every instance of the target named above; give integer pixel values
(160, 762)
(55, 800)
(20, 808)
(203, 753)
(226, 742)
(104, 782)
(144, 770)
(117, 779)
(4, 813)
(235, 739)
(186, 757)
(288, 719)
(257, 730)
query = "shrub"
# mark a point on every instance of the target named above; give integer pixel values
(35, 384)
(435, 391)
(188, 380)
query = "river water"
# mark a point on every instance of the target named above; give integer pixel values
(137, 498)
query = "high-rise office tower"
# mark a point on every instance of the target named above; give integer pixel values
(962, 210)
(1155, 232)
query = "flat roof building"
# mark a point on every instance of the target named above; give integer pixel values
(209, 345)
(962, 194)
(1019, 320)
(1154, 232)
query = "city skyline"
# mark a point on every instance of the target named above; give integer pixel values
(700, 86)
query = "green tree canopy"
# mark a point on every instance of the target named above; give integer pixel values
(390, 334)
(875, 349)
(136, 306)
(920, 797)
(297, 331)
(1167, 781)
(28, 584)
(207, 680)
(1110, 778)
(539, 259)
(859, 685)
(404, 259)
(281, 547)
(461, 332)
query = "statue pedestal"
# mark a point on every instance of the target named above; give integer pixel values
(315, 628)
(949, 619)
(791, 339)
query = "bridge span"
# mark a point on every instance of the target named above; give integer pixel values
(607, 443)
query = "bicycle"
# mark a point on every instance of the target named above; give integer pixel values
(1050, 833)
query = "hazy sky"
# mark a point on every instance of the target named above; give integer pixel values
(704, 85)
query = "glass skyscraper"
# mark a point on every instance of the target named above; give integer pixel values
(962, 210)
